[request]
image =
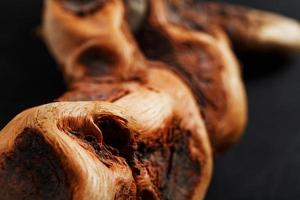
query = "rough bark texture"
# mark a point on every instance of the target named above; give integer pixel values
(32, 170)
(154, 90)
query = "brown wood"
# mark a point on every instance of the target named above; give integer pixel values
(153, 92)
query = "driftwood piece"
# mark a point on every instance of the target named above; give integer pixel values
(154, 91)
(203, 58)
(248, 28)
(142, 143)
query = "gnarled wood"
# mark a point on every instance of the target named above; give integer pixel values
(131, 126)
(203, 58)
(248, 28)
(134, 146)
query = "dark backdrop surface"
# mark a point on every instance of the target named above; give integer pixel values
(264, 165)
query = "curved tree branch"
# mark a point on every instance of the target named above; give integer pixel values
(248, 28)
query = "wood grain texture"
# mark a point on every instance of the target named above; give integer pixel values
(149, 101)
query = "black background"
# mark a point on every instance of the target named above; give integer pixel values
(266, 162)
